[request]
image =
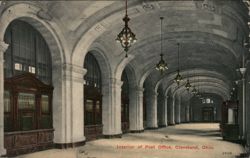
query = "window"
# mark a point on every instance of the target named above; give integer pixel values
(92, 99)
(92, 92)
(207, 101)
(27, 52)
(93, 76)
(125, 98)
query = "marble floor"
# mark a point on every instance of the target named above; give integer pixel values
(196, 140)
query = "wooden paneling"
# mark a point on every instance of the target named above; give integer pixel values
(93, 131)
(24, 124)
(22, 142)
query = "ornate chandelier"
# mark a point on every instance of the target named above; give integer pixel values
(126, 37)
(188, 85)
(194, 91)
(178, 77)
(162, 65)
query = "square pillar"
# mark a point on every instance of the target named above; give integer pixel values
(3, 48)
(152, 109)
(111, 109)
(178, 110)
(136, 109)
(172, 112)
(68, 113)
(164, 112)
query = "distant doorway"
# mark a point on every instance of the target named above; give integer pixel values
(208, 114)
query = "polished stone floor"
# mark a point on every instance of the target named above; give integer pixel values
(197, 140)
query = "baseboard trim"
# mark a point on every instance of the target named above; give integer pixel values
(152, 128)
(137, 131)
(112, 136)
(171, 124)
(68, 145)
(162, 126)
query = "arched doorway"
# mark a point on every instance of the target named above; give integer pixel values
(125, 103)
(27, 90)
(92, 99)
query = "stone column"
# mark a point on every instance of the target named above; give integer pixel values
(152, 109)
(178, 110)
(68, 113)
(3, 48)
(111, 110)
(136, 109)
(240, 111)
(172, 112)
(187, 113)
(164, 112)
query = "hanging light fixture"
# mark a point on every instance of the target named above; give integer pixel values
(198, 94)
(178, 77)
(194, 91)
(162, 65)
(188, 85)
(126, 37)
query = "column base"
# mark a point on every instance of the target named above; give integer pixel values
(112, 136)
(136, 131)
(69, 145)
(171, 124)
(162, 126)
(2, 152)
(152, 128)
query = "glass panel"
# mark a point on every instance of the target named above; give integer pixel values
(18, 66)
(45, 103)
(32, 69)
(93, 76)
(89, 106)
(98, 113)
(45, 122)
(26, 52)
(7, 123)
(26, 123)
(26, 101)
(89, 115)
(98, 106)
(7, 107)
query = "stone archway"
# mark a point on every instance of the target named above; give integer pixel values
(105, 68)
(27, 13)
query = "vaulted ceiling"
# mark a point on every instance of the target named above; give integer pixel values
(210, 32)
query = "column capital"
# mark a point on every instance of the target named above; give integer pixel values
(74, 72)
(74, 68)
(3, 46)
(116, 82)
(138, 88)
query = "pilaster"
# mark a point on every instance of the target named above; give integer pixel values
(68, 115)
(3, 48)
(178, 111)
(111, 110)
(172, 112)
(152, 109)
(136, 109)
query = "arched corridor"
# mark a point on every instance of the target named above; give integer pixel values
(81, 77)
(197, 140)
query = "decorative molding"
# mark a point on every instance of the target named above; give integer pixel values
(112, 136)
(116, 82)
(3, 46)
(137, 131)
(44, 15)
(68, 145)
